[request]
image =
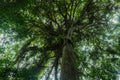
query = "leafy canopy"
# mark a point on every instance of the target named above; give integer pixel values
(41, 26)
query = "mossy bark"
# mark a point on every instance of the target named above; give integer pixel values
(68, 67)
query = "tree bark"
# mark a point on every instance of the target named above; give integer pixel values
(68, 67)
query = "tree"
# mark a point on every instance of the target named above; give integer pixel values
(53, 29)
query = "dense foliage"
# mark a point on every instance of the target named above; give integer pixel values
(53, 39)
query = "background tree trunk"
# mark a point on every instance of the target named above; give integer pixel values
(68, 67)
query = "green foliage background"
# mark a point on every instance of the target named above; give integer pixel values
(32, 33)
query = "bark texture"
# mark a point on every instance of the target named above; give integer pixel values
(68, 67)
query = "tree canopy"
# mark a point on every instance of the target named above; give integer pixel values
(59, 39)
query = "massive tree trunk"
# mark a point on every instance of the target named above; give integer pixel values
(68, 67)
